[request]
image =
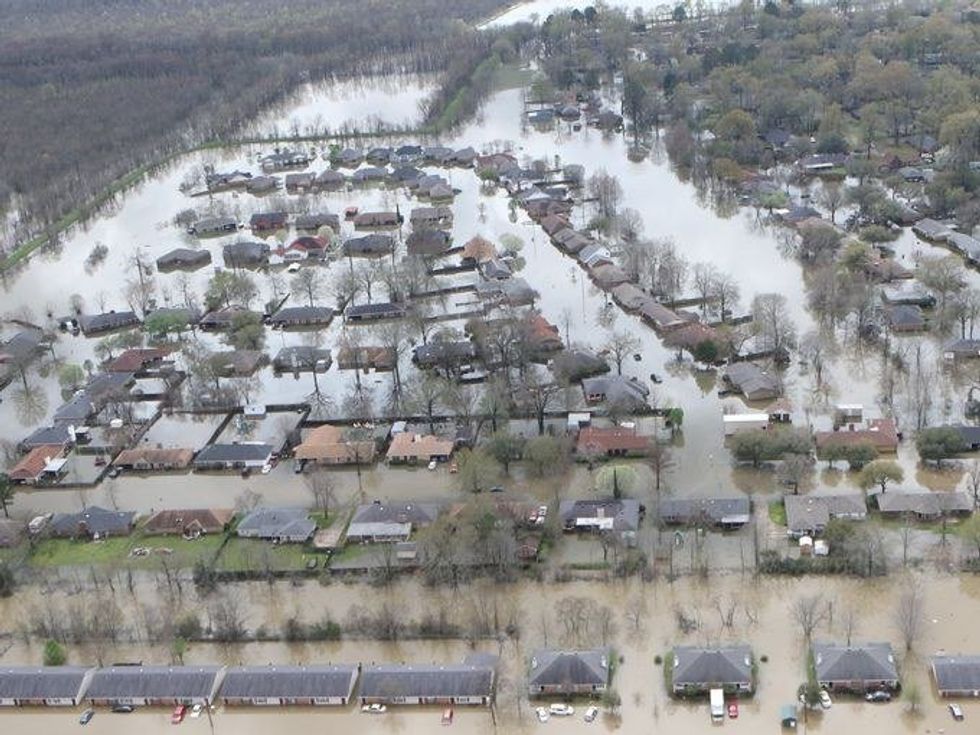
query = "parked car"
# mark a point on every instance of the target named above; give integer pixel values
(733, 710)
(86, 716)
(825, 701)
(542, 714)
(561, 710)
(123, 709)
(374, 709)
(591, 713)
(196, 711)
(956, 711)
(178, 714)
(433, 464)
(879, 695)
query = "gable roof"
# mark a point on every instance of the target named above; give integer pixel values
(606, 439)
(419, 446)
(555, 668)
(727, 665)
(315, 681)
(601, 513)
(328, 443)
(420, 680)
(418, 514)
(165, 682)
(42, 682)
(956, 673)
(135, 359)
(210, 520)
(32, 465)
(276, 523)
(723, 511)
(869, 662)
(752, 380)
(244, 452)
(813, 512)
(94, 520)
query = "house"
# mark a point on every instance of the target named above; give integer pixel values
(965, 245)
(211, 226)
(373, 312)
(410, 448)
(882, 434)
(58, 434)
(956, 675)
(595, 254)
(969, 435)
(909, 293)
(92, 324)
(330, 180)
(313, 222)
(432, 217)
(138, 360)
(378, 156)
(477, 250)
(660, 317)
(283, 525)
(722, 513)
(301, 359)
(905, 318)
(406, 154)
(407, 176)
(276, 686)
(377, 220)
(365, 357)
(301, 316)
(616, 389)
(183, 259)
(859, 667)
(327, 445)
(607, 120)
(630, 296)
(298, 183)
(247, 455)
(931, 230)
(923, 506)
(605, 515)
(571, 241)
(741, 423)
(568, 673)
(245, 254)
(540, 335)
(444, 353)
(154, 685)
(428, 242)
(369, 175)
(573, 365)
(822, 162)
(189, 523)
(808, 515)
(495, 270)
(92, 523)
(228, 180)
(146, 459)
(285, 159)
(369, 246)
(615, 441)
(464, 157)
(698, 670)
(43, 464)
(308, 247)
(268, 221)
(553, 224)
(607, 276)
(512, 292)
(752, 381)
(460, 684)
(262, 184)
(238, 363)
(49, 686)
(224, 319)
(379, 522)
(962, 349)
(348, 158)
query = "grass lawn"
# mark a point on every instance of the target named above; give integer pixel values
(777, 513)
(116, 551)
(251, 554)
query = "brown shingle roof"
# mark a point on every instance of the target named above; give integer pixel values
(207, 520)
(620, 439)
(152, 456)
(327, 444)
(132, 360)
(880, 433)
(32, 464)
(419, 446)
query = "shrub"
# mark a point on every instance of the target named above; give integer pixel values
(54, 654)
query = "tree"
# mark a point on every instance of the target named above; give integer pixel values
(858, 455)
(793, 469)
(831, 197)
(910, 613)
(545, 455)
(938, 443)
(961, 132)
(228, 288)
(54, 653)
(605, 189)
(537, 396)
(322, 487)
(307, 284)
(970, 531)
(772, 323)
(70, 377)
(162, 324)
(247, 332)
(621, 345)
(725, 294)
(477, 470)
(768, 446)
(809, 612)
(660, 460)
(7, 491)
(505, 448)
(880, 473)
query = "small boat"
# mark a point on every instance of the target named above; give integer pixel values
(447, 716)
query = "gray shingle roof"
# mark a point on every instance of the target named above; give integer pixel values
(163, 682)
(277, 523)
(726, 511)
(248, 682)
(620, 515)
(811, 512)
(956, 673)
(459, 680)
(553, 668)
(415, 513)
(36, 682)
(728, 665)
(870, 662)
(233, 453)
(94, 520)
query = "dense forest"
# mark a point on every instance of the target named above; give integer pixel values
(90, 89)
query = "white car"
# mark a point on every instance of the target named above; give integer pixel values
(293, 267)
(433, 464)
(542, 714)
(591, 713)
(825, 701)
(374, 709)
(561, 710)
(196, 710)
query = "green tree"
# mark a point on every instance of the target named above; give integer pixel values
(477, 470)
(7, 491)
(163, 324)
(880, 472)
(247, 331)
(70, 376)
(545, 455)
(970, 531)
(938, 443)
(54, 654)
(505, 448)
(858, 455)
(768, 446)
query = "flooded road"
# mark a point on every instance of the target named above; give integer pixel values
(762, 617)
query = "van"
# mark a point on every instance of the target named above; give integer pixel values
(717, 699)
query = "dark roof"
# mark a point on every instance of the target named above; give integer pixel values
(135, 359)
(47, 435)
(725, 511)
(427, 242)
(94, 520)
(277, 523)
(553, 668)
(621, 515)
(858, 662)
(728, 665)
(301, 357)
(247, 682)
(813, 512)
(107, 321)
(369, 245)
(245, 252)
(183, 257)
(905, 316)
(157, 682)
(233, 453)
(375, 309)
(303, 315)
(394, 681)
(752, 380)
(439, 350)
(616, 388)
(418, 514)
(41, 682)
(955, 673)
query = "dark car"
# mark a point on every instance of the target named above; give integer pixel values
(123, 709)
(86, 716)
(878, 696)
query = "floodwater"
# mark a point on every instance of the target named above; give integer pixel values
(739, 244)
(642, 622)
(535, 11)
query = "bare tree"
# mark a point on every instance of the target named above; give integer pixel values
(705, 282)
(809, 612)
(308, 284)
(322, 487)
(621, 345)
(910, 612)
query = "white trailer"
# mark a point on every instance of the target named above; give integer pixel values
(739, 423)
(717, 699)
